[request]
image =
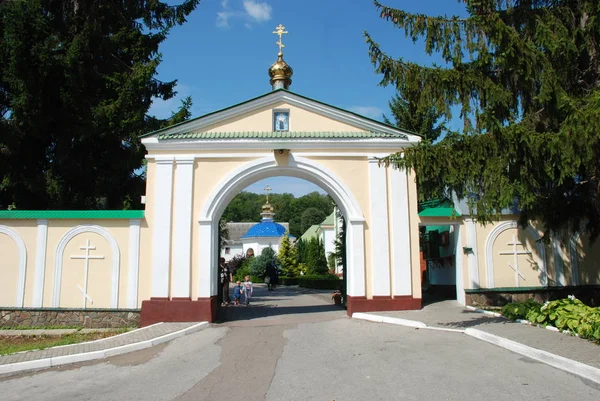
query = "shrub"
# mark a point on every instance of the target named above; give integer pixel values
(564, 314)
(288, 280)
(519, 310)
(258, 267)
(243, 270)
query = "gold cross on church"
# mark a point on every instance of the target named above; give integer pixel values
(268, 190)
(280, 30)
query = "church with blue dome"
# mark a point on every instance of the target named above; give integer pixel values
(266, 233)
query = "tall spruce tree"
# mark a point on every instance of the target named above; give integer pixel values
(288, 257)
(77, 79)
(525, 74)
(422, 119)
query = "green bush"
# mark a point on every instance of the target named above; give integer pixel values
(288, 280)
(320, 282)
(519, 310)
(564, 314)
(243, 270)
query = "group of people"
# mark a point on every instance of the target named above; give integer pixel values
(246, 288)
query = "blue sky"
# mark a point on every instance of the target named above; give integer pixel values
(222, 54)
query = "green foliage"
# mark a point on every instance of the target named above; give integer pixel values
(320, 282)
(565, 314)
(416, 116)
(240, 266)
(77, 79)
(258, 266)
(519, 310)
(288, 257)
(310, 217)
(526, 78)
(246, 207)
(316, 263)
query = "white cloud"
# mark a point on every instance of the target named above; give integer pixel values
(252, 11)
(367, 111)
(258, 11)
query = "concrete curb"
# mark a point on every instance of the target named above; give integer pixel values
(568, 365)
(88, 356)
(485, 312)
(392, 320)
(556, 361)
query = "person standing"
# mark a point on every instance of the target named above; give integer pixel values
(248, 289)
(225, 277)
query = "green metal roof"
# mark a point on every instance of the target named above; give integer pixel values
(267, 94)
(71, 214)
(279, 135)
(439, 212)
(329, 220)
(311, 232)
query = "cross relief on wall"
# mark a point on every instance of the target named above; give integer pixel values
(87, 257)
(515, 252)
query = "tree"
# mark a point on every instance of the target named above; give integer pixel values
(525, 75)
(316, 262)
(76, 83)
(288, 257)
(258, 266)
(416, 117)
(310, 217)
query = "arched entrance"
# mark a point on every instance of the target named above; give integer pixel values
(197, 167)
(282, 163)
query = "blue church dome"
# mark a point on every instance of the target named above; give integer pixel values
(266, 228)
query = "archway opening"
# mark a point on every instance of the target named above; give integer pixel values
(287, 236)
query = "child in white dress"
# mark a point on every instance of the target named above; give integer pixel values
(248, 289)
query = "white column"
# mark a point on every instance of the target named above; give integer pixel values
(40, 263)
(355, 260)
(161, 232)
(472, 259)
(400, 227)
(182, 227)
(380, 242)
(458, 262)
(134, 262)
(205, 275)
(559, 266)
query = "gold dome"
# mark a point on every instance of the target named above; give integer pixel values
(281, 73)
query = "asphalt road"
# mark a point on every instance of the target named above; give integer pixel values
(294, 346)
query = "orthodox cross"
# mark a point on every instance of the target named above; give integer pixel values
(268, 190)
(87, 258)
(280, 30)
(516, 254)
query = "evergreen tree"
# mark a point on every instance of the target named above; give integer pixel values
(76, 83)
(288, 257)
(258, 266)
(316, 262)
(310, 217)
(525, 75)
(416, 117)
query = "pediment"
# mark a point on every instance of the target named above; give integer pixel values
(255, 117)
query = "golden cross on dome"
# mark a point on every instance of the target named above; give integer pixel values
(280, 30)
(268, 190)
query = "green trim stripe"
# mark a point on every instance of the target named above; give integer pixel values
(71, 214)
(439, 212)
(280, 135)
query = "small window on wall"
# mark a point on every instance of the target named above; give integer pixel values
(227, 251)
(281, 120)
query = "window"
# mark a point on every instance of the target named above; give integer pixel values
(227, 251)
(281, 120)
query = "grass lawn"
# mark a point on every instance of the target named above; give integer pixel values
(12, 344)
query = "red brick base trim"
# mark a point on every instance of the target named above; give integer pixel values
(381, 303)
(178, 310)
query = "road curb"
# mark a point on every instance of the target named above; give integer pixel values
(556, 361)
(559, 362)
(88, 356)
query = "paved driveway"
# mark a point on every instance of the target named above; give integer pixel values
(295, 346)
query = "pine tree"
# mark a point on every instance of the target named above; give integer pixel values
(77, 79)
(288, 257)
(316, 262)
(525, 75)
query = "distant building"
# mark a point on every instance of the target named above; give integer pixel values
(327, 232)
(252, 238)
